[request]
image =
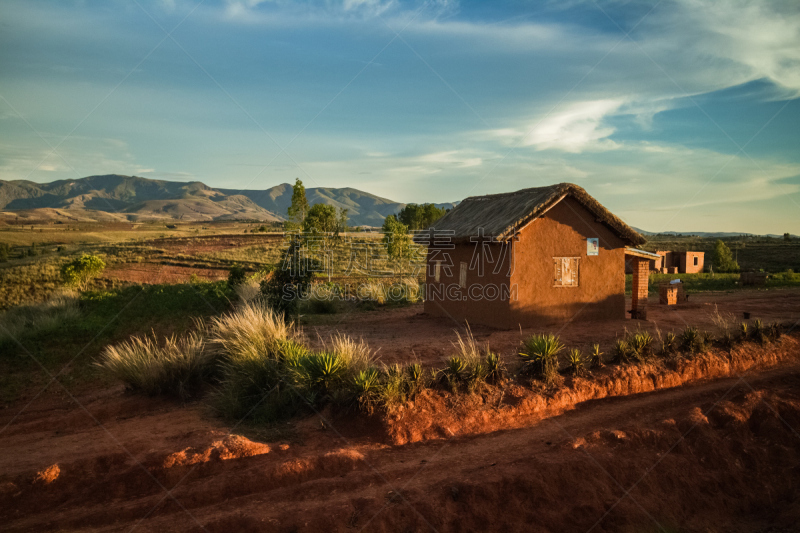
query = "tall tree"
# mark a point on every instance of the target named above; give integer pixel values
(321, 229)
(299, 208)
(396, 240)
(723, 258)
(418, 217)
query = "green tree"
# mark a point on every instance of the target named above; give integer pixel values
(81, 271)
(418, 217)
(723, 258)
(787, 237)
(5, 252)
(289, 279)
(321, 219)
(396, 239)
(299, 208)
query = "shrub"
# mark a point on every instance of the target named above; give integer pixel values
(693, 341)
(540, 357)
(475, 360)
(289, 279)
(760, 333)
(81, 271)
(61, 307)
(744, 331)
(252, 331)
(236, 276)
(247, 290)
(392, 389)
(669, 344)
(5, 252)
(178, 367)
(596, 357)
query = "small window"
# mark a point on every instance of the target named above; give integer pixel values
(695, 261)
(462, 278)
(566, 271)
(437, 271)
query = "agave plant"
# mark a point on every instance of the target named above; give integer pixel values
(692, 340)
(640, 343)
(744, 331)
(575, 361)
(670, 343)
(494, 367)
(622, 351)
(455, 366)
(540, 356)
(323, 371)
(366, 384)
(596, 357)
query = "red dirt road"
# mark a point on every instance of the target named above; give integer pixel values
(721, 456)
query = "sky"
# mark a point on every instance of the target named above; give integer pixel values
(677, 115)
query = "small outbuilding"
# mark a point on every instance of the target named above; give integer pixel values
(530, 257)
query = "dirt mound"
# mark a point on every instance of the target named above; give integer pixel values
(48, 475)
(231, 447)
(440, 415)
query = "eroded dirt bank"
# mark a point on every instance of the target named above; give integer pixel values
(439, 415)
(718, 456)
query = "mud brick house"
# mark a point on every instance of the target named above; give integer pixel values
(531, 257)
(674, 262)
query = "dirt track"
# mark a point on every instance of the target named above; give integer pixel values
(713, 456)
(737, 469)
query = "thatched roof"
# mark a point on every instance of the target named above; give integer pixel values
(501, 215)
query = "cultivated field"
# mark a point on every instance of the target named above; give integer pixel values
(367, 415)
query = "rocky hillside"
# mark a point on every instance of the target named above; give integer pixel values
(135, 198)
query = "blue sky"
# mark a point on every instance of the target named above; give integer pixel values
(677, 115)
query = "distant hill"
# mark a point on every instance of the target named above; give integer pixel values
(707, 234)
(363, 208)
(115, 197)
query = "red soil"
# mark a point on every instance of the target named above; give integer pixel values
(153, 273)
(194, 245)
(721, 455)
(404, 333)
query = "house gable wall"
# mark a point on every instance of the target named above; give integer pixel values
(563, 232)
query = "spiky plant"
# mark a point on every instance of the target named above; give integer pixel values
(622, 351)
(494, 367)
(640, 343)
(670, 344)
(692, 340)
(540, 357)
(760, 333)
(575, 360)
(455, 367)
(744, 331)
(415, 375)
(366, 384)
(323, 372)
(595, 357)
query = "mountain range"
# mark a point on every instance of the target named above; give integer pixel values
(132, 198)
(113, 197)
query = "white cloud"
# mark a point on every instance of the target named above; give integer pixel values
(762, 37)
(578, 127)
